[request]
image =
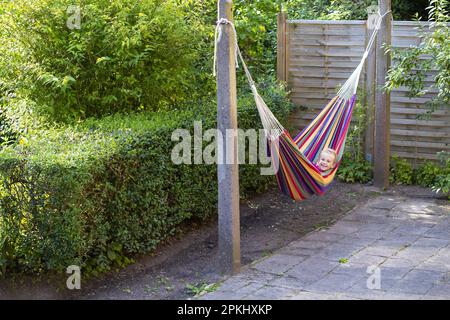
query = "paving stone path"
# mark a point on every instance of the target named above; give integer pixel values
(393, 247)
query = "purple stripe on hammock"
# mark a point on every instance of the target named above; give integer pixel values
(300, 173)
(312, 149)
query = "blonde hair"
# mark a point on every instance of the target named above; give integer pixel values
(330, 151)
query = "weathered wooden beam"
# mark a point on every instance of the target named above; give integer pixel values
(382, 101)
(281, 46)
(227, 168)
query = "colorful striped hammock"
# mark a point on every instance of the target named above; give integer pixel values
(298, 175)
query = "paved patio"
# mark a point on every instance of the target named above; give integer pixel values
(393, 247)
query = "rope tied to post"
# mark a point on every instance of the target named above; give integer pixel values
(237, 52)
(272, 126)
(218, 36)
(350, 86)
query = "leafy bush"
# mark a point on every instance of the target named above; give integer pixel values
(401, 171)
(97, 192)
(256, 24)
(426, 174)
(7, 132)
(410, 69)
(354, 167)
(429, 174)
(352, 171)
(442, 182)
(127, 55)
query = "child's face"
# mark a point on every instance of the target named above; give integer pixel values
(326, 161)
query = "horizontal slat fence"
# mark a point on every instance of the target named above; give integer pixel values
(315, 57)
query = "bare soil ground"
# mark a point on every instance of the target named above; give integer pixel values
(182, 267)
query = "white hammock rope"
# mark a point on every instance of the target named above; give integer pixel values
(272, 127)
(350, 86)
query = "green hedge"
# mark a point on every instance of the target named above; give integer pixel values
(96, 193)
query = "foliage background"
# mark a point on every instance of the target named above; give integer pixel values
(86, 118)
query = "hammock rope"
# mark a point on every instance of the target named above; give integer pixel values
(298, 175)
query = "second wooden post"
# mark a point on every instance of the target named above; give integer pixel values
(382, 149)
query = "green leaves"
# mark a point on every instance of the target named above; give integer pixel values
(102, 59)
(108, 56)
(401, 171)
(8, 132)
(354, 171)
(426, 174)
(354, 168)
(410, 68)
(429, 174)
(441, 183)
(201, 288)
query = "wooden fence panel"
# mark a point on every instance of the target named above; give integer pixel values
(321, 55)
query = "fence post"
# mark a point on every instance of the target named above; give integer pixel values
(382, 101)
(281, 46)
(370, 99)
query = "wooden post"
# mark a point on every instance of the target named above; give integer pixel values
(382, 101)
(227, 167)
(370, 100)
(281, 46)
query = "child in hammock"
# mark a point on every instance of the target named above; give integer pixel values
(327, 159)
